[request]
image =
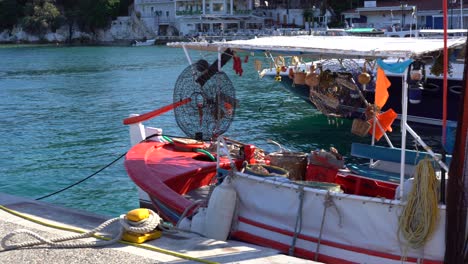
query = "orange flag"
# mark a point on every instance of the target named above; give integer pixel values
(381, 85)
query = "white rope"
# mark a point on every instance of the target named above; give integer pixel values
(328, 202)
(141, 227)
(298, 227)
(59, 242)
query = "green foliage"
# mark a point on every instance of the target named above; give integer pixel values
(96, 14)
(9, 12)
(308, 14)
(40, 16)
(339, 6)
(123, 7)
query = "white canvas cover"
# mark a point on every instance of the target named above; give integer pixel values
(334, 46)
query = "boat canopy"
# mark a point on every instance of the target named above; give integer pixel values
(333, 46)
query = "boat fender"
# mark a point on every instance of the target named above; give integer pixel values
(220, 211)
(198, 221)
(140, 225)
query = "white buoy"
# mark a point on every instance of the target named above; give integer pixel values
(220, 212)
(198, 221)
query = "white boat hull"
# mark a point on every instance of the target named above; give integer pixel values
(356, 229)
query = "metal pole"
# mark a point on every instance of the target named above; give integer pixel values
(416, 16)
(451, 15)
(404, 117)
(461, 14)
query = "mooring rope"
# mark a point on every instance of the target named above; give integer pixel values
(141, 227)
(59, 242)
(328, 202)
(70, 229)
(298, 227)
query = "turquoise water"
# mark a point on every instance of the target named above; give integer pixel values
(61, 112)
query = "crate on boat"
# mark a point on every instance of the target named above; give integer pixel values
(294, 162)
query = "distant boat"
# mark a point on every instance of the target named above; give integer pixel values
(418, 112)
(364, 31)
(148, 42)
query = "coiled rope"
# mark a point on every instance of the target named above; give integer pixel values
(144, 246)
(141, 227)
(419, 217)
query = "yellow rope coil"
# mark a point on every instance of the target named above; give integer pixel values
(420, 215)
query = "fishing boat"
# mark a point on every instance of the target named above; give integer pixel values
(310, 205)
(293, 68)
(145, 42)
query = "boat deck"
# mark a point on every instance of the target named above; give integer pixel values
(198, 248)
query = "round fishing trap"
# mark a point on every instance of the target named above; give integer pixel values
(210, 98)
(339, 93)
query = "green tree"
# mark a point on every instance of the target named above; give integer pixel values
(97, 14)
(41, 16)
(10, 10)
(123, 7)
(71, 12)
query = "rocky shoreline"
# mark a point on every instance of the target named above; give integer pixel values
(121, 32)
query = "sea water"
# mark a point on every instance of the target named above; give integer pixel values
(61, 112)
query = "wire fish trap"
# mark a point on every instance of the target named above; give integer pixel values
(360, 127)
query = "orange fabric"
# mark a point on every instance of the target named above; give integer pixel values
(381, 85)
(386, 120)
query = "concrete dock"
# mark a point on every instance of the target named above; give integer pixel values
(170, 248)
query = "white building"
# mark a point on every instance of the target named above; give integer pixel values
(408, 14)
(181, 17)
